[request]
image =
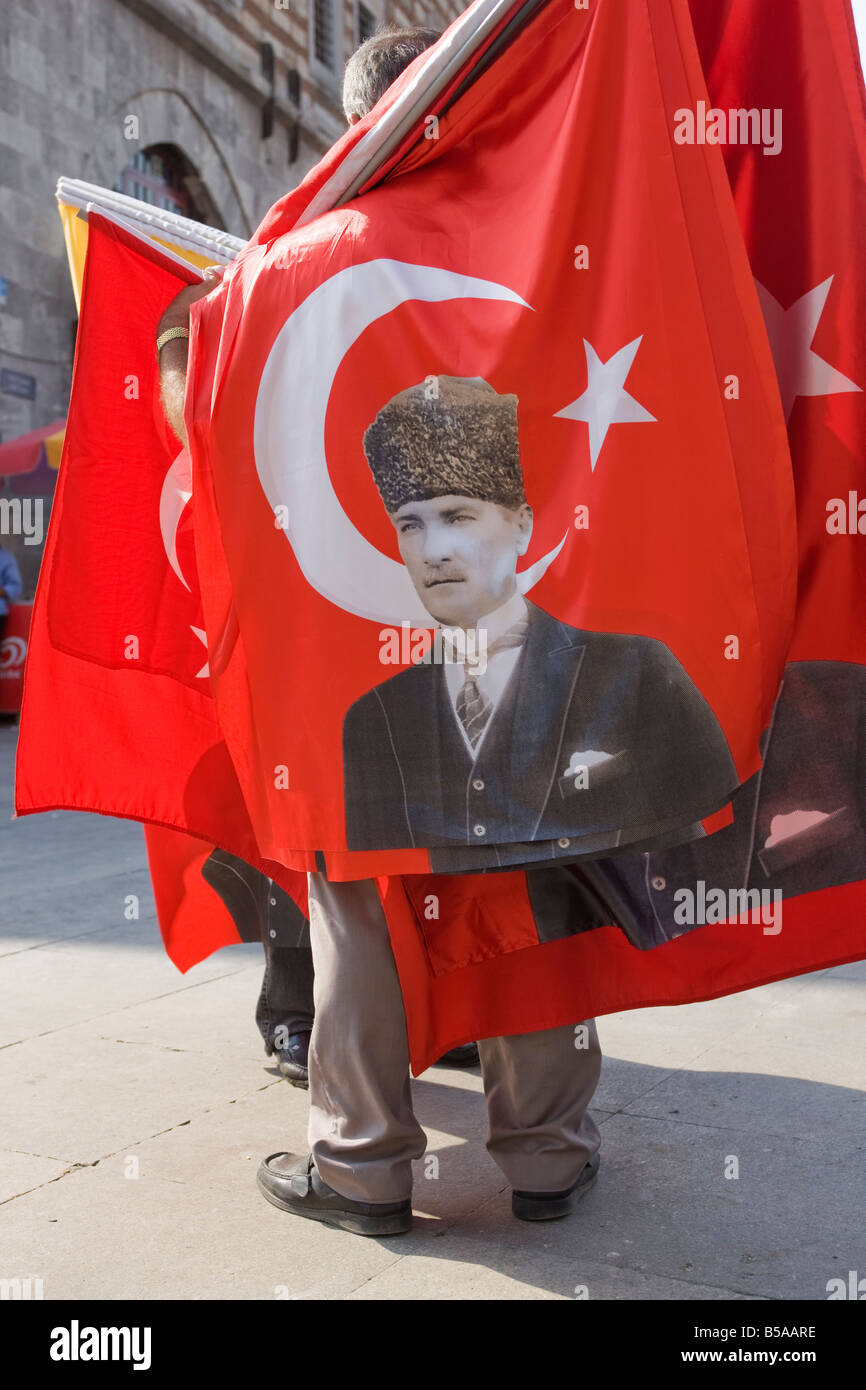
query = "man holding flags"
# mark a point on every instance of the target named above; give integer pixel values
(565, 248)
(363, 1133)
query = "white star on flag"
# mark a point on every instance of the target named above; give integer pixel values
(605, 402)
(800, 371)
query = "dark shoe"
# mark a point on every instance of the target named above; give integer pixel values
(292, 1059)
(292, 1183)
(547, 1206)
(466, 1055)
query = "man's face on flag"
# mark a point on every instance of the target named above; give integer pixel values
(462, 553)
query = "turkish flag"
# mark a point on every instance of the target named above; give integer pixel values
(803, 213)
(553, 272)
(798, 834)
(117, 714)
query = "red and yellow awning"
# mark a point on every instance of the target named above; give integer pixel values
(24, 454)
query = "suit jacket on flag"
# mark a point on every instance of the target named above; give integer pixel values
(799, 824)
(258, 905)
(598, 739)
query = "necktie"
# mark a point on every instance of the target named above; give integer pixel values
(474, 708)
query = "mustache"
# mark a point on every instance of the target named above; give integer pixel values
(443, 579)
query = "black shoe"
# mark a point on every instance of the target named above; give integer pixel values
(292, 1059)
(547, 1206)
(292, 1183)
(466, 1055)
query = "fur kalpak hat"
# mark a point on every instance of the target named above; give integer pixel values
(448, 434)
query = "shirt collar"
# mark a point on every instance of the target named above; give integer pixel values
(503, 617)
(495, 623)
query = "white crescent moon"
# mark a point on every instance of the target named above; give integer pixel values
(176, 492)
(289, 433)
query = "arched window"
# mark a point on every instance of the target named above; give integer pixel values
(163, 176)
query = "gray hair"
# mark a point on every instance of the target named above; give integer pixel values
(378, 62)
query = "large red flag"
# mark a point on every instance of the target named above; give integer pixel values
(499, 320)
(787, 74)
(118, 716)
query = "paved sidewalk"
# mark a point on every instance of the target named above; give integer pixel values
(137, 1102)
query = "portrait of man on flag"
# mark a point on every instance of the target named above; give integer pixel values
(607, 730)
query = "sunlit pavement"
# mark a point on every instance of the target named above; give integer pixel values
(137, 1103)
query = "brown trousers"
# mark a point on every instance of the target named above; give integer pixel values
(363, 1132)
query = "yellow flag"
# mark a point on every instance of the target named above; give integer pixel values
(193, 242)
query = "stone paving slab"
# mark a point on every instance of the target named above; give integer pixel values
(460, 1273)
(758, 1086)
(21, 1172)
(79, 1096)
(43, 915)
(780, 1229)
(206, 1021)
(97, 1234)
(52, 987)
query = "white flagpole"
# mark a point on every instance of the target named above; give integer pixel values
(148, 222)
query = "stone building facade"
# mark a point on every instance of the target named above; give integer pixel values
(214, 107)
